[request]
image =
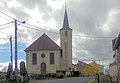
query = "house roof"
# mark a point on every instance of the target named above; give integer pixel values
(43, 43)
(80, 63)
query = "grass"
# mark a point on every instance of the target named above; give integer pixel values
(32, 82)
(93, 81)
(7, 82)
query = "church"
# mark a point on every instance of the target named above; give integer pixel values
(44, 56)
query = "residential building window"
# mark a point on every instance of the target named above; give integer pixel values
(34, 58)
(66, 33)
(52, 60)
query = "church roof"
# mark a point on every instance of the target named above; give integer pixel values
(43, 43)
(66, 21)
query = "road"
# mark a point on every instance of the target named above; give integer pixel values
(68, 80)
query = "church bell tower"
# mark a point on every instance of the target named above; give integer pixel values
(66, 43)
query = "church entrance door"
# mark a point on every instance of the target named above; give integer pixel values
(43, 68)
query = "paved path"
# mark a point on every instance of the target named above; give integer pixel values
(68, 80)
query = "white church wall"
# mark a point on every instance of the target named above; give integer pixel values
(50, 68)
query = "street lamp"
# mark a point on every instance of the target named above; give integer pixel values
(16, 56)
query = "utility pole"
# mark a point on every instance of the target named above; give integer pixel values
(16, 56)
(16, 51)
(11, 57)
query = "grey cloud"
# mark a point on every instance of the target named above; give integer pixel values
(22, 35)
(20, 14)
(99, 49)
(42, 6)
(53, 34)
(87, 15)
(17, 11)
(114, 4)
(30, 3)
(34, 34)
(58, 16)
(4, 3)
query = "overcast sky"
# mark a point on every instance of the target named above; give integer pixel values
(94, 22)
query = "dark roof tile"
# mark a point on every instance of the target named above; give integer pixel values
(43, 43)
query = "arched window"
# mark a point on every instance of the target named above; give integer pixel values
(34, 58)
(52, 58)
(66, 33)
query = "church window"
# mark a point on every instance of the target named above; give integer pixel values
(43, 55)
(52, 60)
(34, 58)
(61, 53)
(66, 33)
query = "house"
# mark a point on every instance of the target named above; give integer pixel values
(89, 69)
(114, 67)
(81, 66)
(44, 56)
(113, 71)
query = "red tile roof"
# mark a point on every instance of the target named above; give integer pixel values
(43, 43)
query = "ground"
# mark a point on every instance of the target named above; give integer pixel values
(69, 80)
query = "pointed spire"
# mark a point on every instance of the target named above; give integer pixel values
(65, 21)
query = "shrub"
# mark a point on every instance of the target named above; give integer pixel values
(3, 81)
